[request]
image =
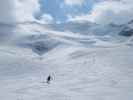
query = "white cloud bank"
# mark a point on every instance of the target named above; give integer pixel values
(6, 11)
(74, 2)
(25, 9)
(118, 12)
(20, 11)
(46, 18)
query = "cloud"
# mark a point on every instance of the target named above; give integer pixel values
(74, 2)
(6, 11)
(18, 10)
(46, 18)
(111, 11)
(12, 11)
(25, 9)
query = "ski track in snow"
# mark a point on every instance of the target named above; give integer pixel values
(78, 74)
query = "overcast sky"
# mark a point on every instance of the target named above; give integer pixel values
(57, 11)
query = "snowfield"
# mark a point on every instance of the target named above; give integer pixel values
(79, 73)
(86, 61)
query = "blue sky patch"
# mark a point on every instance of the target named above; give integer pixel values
(59, 10)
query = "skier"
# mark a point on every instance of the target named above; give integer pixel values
(49, 78)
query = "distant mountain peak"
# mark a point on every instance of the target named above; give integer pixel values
(130, 22)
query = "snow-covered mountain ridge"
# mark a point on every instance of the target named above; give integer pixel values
(42, 38)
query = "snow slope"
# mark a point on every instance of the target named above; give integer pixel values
(79, 73)
(86, 61)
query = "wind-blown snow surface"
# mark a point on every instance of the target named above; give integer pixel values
(79, 73)
(92, 63)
